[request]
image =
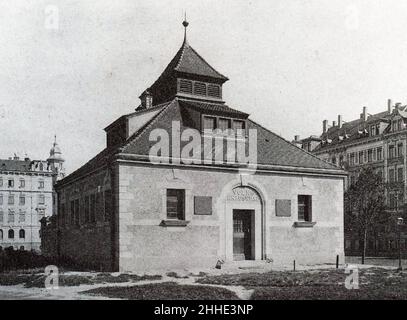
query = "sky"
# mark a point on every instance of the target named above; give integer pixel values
(71, 68)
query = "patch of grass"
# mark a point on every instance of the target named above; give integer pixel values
(164, 291)
(200, 274)
(108, 278)
(374, 284)
(277, 279)
(38, 281)
(14, 278)
(176, 275)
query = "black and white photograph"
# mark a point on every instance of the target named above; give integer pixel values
(211, 152)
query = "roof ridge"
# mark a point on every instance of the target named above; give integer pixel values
(281, 138)
(135, 136)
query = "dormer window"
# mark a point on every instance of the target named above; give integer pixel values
(209, 123)
(224, 124)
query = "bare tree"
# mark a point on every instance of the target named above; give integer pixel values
(364, 203)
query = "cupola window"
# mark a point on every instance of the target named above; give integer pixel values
(200, 88)
(185, 86)
(214, 91)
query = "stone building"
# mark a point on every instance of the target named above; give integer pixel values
(151, 201)
(377, 140)
(26, 197)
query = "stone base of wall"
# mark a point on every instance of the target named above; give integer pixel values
(87, 247)
(148, 248)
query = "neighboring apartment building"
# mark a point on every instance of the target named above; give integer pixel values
(379, 141)
(27, 196)
(124, 211)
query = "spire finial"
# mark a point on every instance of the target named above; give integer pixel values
(55, 139)
(185, 23)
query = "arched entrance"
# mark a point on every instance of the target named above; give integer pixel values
(244, 224)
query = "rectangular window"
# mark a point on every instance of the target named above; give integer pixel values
(224, 124)
(391, 175)
(392, 152)
(372, 130)
(361, 157)
(22, 183)
(11, 217)
(93, 208)
(176, 204)
(239, 127)
(200, 88)
(10, 199)
(1, 182)
(1, 217)
(63, 217)
(214, 91)
(86, 211)
(400, 150)
(352, 159)
(400, 175)
(108, 204)
(22, 200)
(377, 129)
(185, 86)
(370, 155)
(72, 212)
(379, 154)
(305, 208)
(21, 217)
(209, 123)
(77, 213)
(40, 184)
(41, 199)
(1, 199)
(11, 183)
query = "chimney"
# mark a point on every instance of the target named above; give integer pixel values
(324, 126)
(333, 123)
(146, 100)
(363, 115)
(389, 105)
(16, 157)
(340, 122)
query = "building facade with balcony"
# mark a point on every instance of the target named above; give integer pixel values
(377, 140)
(26, 197)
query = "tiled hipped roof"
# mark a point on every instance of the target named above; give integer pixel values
(353, 130)
(271, 149)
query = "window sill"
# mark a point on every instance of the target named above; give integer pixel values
(304, 224)
(174, 223)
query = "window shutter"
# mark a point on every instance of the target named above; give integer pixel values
(185, 86)
(200, 88)
(214, 91)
